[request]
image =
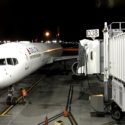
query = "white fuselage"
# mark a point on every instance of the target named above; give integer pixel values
(19, 59)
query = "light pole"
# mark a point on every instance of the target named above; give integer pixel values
(58, 34)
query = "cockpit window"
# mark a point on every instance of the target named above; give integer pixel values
(15, 61)
(2, 62)
(12, 61)
(9, 61)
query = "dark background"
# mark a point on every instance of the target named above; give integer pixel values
(29, 19)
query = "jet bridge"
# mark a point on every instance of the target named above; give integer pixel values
(116, 67)
(107, 57)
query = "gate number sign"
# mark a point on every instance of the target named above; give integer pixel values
(92, 33)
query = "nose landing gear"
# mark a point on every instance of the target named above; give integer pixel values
(11, 99)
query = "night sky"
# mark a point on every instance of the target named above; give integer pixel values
(28, 19)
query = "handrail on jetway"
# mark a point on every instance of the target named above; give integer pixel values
(116, 27)
(119, 24)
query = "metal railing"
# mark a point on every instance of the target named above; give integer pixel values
(116, 28)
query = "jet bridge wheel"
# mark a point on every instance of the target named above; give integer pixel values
(116, 112)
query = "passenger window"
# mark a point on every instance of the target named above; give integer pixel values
(2, 62)
(9, 61)
(15, 61)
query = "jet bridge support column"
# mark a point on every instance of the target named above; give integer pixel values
(106, 60)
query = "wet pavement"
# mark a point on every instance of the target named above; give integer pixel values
(49, 98)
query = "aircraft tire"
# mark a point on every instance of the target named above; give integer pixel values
(14, 101)
(8, 101)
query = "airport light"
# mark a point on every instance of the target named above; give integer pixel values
(47, 33)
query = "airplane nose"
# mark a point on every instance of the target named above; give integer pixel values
(4, 80)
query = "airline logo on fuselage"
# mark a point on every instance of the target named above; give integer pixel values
(32, 50)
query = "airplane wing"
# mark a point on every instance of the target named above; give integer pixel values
(62, 58)
(65, 58)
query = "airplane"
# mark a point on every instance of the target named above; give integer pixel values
(20, 59)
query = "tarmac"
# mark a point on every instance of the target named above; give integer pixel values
(49, 98)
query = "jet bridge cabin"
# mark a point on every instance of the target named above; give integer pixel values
(89, 57)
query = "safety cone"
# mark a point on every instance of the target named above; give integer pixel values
(46, 120)
(66, 113)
